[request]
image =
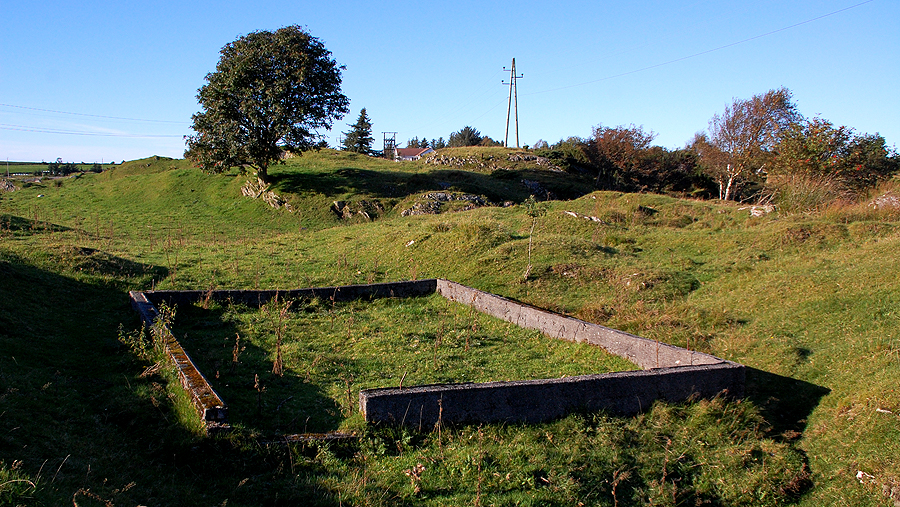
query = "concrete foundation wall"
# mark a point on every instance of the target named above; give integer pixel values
(260, 297)
(624, 393)
(669, 373)
(212, 410)
(640, 351)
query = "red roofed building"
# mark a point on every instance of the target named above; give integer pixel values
(412, 153)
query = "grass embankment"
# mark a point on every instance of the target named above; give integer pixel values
(808, 302)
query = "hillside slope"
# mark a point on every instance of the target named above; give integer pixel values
(809, 303)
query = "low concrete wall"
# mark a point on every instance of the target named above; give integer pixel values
(212, 410)
(624, 393)
(669, 373)
(260, 297)
(640, 351)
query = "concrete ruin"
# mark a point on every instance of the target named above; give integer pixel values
(668, 373)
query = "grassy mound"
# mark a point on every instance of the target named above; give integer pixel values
(808, 302)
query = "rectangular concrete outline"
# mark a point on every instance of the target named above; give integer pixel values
(669, 373)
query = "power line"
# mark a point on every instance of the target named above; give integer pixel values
(23, 128)
(92, 115)
(460, 111)
(795, 25)
(719, 48)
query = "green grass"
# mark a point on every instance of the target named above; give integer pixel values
(330, 352)
(807, 302)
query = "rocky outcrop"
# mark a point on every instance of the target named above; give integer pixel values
(433, 203)
(259, 190)
(887, 200)
(490, 162)
(370, 210)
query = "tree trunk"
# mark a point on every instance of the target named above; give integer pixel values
(728, 188)
(262, 177)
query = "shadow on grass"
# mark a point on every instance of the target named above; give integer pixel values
(258, 400)
(786, 403)
(19, 226)
(498, 186)
(89, 422)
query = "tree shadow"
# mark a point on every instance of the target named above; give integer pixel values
(258, 400)
(785, 402)
(498, 185)
(75, 399)
(19, 226)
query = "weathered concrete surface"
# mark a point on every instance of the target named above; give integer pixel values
(624, 393)
(640, 351)
(204, 397)
(260, 297)
(212, 410)
(669, 373)
(144, 307)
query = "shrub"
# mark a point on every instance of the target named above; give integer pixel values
(801, 193)
(817, 163)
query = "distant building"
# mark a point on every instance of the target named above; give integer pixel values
(411, 153)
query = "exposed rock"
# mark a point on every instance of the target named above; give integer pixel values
(541, 161)
(758, 211)
(422, 208)
(447, 197)
(885, 201)
(586, 217)
(367, 209)
(538, 190)
(433, 203)
(7, 186)
(441, 159)
(258, 190)
(489, 161)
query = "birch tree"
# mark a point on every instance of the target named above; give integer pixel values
(741, 139)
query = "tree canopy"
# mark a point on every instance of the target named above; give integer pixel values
(742, 137)
(359, 138)
(816, 151)
(615, 150)
(272, 92)
(467, 136)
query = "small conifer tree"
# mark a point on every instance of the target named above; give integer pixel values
(359, 139)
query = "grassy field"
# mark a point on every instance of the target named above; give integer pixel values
(807, 302)
(330, 351)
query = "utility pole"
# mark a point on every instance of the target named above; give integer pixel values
(513, 102)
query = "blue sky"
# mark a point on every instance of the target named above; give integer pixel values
(100, 81)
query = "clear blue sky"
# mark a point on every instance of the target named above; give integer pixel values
(103, 80)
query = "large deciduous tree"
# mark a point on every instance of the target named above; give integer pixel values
(272, 92)
(359, 138)
(741, 139)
